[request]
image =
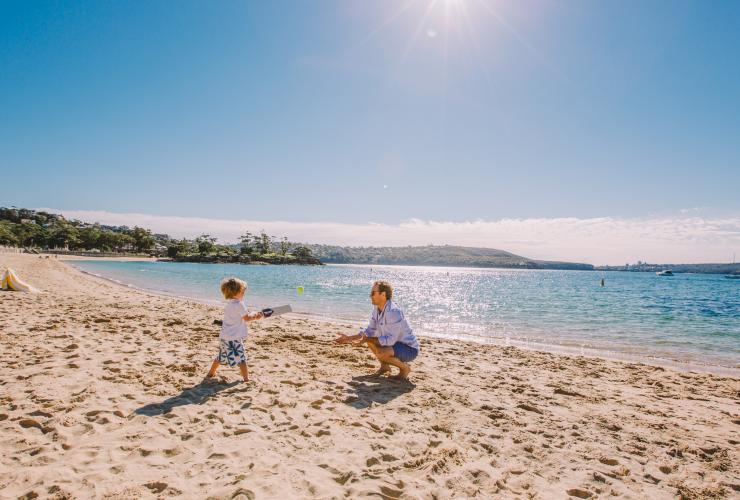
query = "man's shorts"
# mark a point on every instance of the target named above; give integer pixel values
(404, 352)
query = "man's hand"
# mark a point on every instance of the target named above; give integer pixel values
(362, 340)
(343, 339)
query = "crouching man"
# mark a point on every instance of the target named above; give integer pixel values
(388, 335)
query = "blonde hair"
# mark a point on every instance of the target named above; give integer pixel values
(230, 287)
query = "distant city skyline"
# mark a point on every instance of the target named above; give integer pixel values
(576, 130)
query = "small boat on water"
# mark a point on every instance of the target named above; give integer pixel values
(733, 276)
(666, 272)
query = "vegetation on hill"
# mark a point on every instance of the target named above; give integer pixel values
(253, 248)
(435, 255)
(22, 227)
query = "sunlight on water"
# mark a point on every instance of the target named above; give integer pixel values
(687, 317)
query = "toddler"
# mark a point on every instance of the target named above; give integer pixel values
(234, 328)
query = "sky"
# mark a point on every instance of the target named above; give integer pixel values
(605, 132)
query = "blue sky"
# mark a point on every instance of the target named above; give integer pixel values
(356, 112)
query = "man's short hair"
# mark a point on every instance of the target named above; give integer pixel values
(384, 286)
(230, 287)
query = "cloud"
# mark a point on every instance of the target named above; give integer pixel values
(687, 237)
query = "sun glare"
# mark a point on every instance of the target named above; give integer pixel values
(455, 33)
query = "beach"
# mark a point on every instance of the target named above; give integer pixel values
(103, 396)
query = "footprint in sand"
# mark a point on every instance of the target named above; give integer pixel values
(388, 492)
(156, 486)
(29, 422)
(39, 413)
(579, 493)
(117, 469)
(242, 493)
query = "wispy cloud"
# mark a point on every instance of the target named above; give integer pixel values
(682, 238)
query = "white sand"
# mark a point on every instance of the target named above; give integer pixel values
(101, 396)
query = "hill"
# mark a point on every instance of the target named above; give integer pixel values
(433, 255)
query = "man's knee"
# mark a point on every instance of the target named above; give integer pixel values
(380, 352)
(384, 354)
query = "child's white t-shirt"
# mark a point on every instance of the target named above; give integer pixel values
(234, 327)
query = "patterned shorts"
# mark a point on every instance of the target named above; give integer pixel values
(231, 352)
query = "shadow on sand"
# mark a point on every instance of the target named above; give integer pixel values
(196, 395)
(368, 389)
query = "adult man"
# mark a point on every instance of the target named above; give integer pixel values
(388, 335)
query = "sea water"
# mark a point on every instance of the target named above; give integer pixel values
(691, 319)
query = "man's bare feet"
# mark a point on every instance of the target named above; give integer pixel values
(384, 368)
(403, 374)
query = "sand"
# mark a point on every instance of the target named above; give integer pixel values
(102, 395)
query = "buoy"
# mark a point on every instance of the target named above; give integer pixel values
(602, 281)
(299, 289)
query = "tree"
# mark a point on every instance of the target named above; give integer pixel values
(302, 252)
(30, 234)
(125, 241)
(90, 237)
(64, 235)
(284, 245)
(265, 243)
(225, 250)
(108, 240)
(181, 247)
(10, 214)
(143, 239)
(205, 243)
(246, 243)
(7, 236)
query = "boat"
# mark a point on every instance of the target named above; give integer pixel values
(666, 272)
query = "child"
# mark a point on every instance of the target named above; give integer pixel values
(234, 329)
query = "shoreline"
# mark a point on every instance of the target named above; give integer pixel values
(531, 345)
(103, 396)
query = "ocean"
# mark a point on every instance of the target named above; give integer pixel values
(688, 320)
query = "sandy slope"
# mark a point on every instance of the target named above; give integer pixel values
(101, 396)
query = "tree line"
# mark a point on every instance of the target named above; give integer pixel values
(22, 227)
(251, 246)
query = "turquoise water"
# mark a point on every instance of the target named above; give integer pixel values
(686, 318)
